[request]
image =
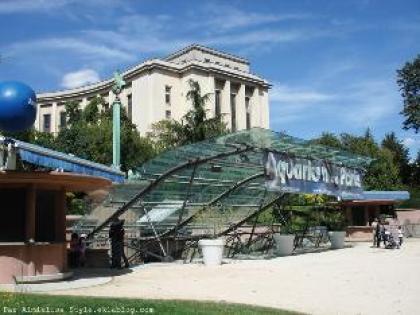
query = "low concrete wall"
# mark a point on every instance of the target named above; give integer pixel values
(359, 233)
(22, 260)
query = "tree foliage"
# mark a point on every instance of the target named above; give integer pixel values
(89, 136)
(408, 78)
(400, 155)
(194, 126)
(383, 173)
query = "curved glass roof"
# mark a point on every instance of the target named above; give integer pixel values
(227, 171)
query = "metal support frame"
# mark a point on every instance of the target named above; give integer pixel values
(214, 201)
(256, 219)
(154, 232)
(161, 178)
(187, 196)
(252, 215)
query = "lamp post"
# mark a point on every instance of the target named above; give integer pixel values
(116, 120)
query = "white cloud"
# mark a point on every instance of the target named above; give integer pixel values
(266, 36)
(367, 103)
(224, 17)
(30, 6)
(412, 141)
(13, 6)
(287, 94)
(292, 104)
(370, 101)
(81, 47)
(409, 141)
(79, 78)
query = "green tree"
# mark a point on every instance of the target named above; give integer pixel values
(194, 126)
(415, 172)
(328, 139)
(89, 135)
(383, 173)
(401, 155)
(408, 78)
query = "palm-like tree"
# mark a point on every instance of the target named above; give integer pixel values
(194, 126)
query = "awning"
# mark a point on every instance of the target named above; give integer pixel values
(383, 195)
(55, 160)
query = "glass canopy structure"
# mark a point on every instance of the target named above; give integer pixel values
(166, 194)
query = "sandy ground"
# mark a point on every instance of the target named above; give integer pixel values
(358, 280)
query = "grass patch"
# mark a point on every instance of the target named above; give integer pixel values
(47, 304)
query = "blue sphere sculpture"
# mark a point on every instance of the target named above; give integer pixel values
(17, 106)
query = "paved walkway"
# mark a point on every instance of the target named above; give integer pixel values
(358, 280)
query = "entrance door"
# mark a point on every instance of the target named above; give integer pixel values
(358, 216)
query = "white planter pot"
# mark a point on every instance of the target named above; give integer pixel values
(337, 239)
(212, 251)
(283, 244)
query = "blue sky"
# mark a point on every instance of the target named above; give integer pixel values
(332, 63)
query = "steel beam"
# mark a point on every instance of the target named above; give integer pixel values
(156, 182)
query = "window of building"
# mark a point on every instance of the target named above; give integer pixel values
(168, 95)
(46, 123)
(233, 111)
(63, 120)
(130, 106)
(168, 114)
(217, 63)
(248, 113)
(207, 60)
(217, 103)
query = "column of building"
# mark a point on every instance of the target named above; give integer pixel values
(254, 108)
(54, 119)
(265, 119)
(240, 108)
(225, 104)
(211, 90)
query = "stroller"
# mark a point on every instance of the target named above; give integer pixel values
(392, 241)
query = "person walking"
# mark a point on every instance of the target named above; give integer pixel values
(374, 231)
(400, 235)
(122, 237)
(379, 233)
(74, 250)
(82, 249)
(116, 234)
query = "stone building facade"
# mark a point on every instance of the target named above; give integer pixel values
(156, 89)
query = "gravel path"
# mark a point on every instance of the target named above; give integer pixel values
(357, 280)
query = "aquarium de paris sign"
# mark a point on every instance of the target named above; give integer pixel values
(297, 175)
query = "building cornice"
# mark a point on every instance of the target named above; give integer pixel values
(105, 86)
(207, 50)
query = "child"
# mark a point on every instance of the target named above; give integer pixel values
(400, 235)
(82, 250)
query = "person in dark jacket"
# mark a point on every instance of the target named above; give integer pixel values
(116, 234)
(379, 233)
